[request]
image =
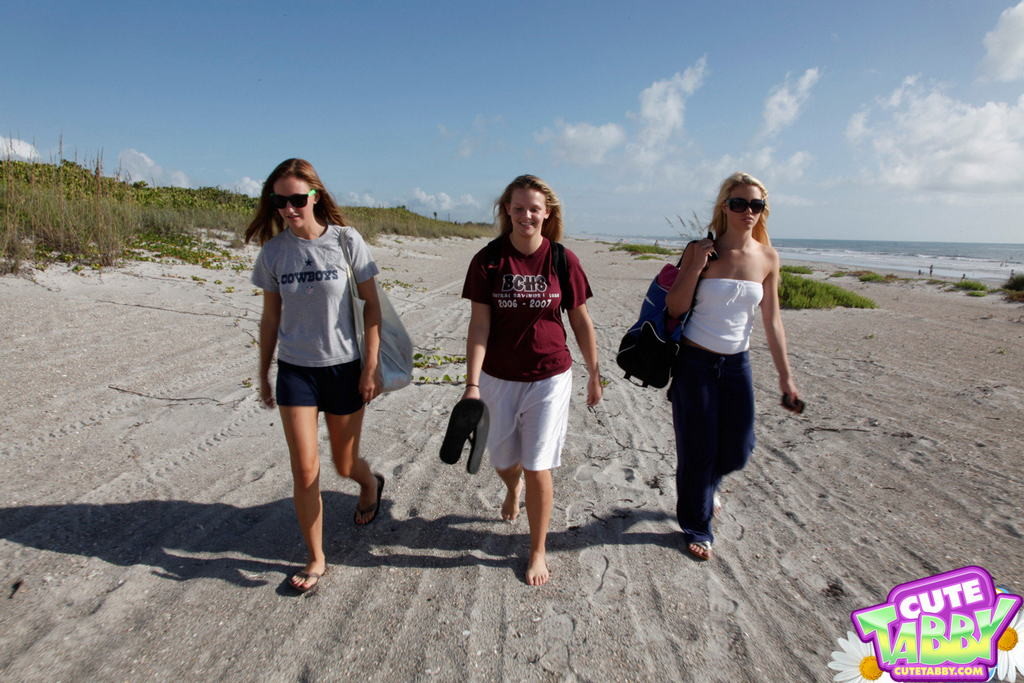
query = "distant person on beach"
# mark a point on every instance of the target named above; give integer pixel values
(930, 270)
(517, 361)
(307, 318)
(712, 395)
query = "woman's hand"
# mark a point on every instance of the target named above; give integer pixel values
(594, 389)
(267, 393)
(788, 388)
(370, 383)
(698, 255)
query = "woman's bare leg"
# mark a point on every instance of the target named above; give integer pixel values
(513, 478)
(344, 431)
(539, 501)
(300, 430)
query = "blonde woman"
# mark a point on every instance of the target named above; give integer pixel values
(517, 359)
(712, 393)
(307, 317)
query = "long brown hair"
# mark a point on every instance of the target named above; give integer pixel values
(552, 227)
(268, 222)
(718, 220)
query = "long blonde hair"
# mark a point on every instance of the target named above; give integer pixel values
(552, 227)
(719, 223)
(268, 221)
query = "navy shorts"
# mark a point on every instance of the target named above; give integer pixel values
(333, 389)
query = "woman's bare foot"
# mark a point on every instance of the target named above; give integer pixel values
(537, 573)
(510, 508)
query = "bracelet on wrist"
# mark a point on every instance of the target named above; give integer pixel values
(472, 385)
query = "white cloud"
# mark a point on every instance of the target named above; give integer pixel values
(779, 199)
(1004, 47)
(17, 150)
(135, 166)
(583, 143)
(461, 207)
(362, 199)
(663, 111)
(857, 128)
(246, 185)
(923, 139)
(477, 138)
(786, 101)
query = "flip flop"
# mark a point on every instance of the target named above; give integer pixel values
(469, 421)
(376, 507)
(705, 546)
(304, 575)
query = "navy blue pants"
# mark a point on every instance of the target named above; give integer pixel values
(713, 414)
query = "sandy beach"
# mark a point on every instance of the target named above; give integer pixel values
(146, 524)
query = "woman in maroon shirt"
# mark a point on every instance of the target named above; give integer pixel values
(516, 354)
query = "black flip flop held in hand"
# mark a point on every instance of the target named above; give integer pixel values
(468, 422)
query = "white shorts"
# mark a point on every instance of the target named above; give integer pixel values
(528, 420)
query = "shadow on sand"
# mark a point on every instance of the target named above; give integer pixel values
(184, 540)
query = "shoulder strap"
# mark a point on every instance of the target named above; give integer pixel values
(341, 243)
(562, 268)
(492, 253)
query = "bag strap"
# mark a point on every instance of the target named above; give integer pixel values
(348, 260)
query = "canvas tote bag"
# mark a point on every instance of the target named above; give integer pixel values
(395, 345)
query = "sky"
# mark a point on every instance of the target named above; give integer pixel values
(880, 120)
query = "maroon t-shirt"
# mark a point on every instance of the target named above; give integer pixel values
(527, 338)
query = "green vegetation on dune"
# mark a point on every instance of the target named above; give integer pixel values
(638, 249)
(971, 285)
(797, 270)
(799, 292)
(71, 213)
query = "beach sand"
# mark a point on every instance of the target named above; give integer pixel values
(146, 524)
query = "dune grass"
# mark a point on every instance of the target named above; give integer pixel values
(638, 249)
(797, 292)
(797, 270)
(1013, 289)
(971, 285)
(68, 212)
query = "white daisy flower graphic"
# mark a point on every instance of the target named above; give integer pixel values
(1010, 651)
(856, 662)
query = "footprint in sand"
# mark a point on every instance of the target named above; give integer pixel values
(586, 473)
(556, 630)
(609, 583)
(718, 600)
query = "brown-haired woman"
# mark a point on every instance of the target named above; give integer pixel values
(307, 317)
(516, 356)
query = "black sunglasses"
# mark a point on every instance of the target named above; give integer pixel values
(739, 205)
(296, 200)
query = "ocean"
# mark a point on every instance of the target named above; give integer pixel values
(976, 261)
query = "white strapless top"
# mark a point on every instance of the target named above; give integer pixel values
(723, 314)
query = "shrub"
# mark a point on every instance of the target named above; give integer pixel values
(972, 285)
(1015, 283)
(636, 249)
(797, 270)
(797, 292)
(871, 277)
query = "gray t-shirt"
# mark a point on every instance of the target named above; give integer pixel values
(316, 327)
